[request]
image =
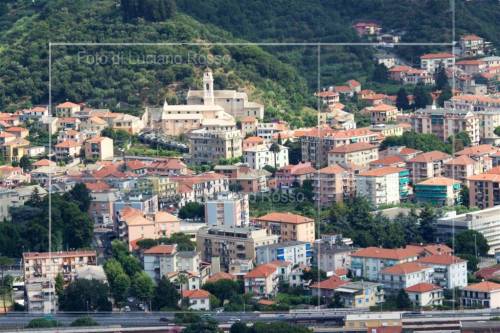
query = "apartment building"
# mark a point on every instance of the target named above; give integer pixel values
(67, 149)
(333, 184)
(405, 275)
(380, 186)
(101, 208)
(213, 143)
(358, 154)
(292, 175)
(134, 225)
(249, 125)
(331, 258)
(46, 266)
(268, 131)
(461, 168)
(297, 253)
(381, 113)
(425, 294)
(67, 109)
(432, 61)
(449, 271)
(369, 262)
(316, 143)
(445, 122)
(439, 191)
(471, 45)
(40, 296)
(427, 165)
(99, 149)
(486, 221)
(227, 209)
(360, 294)
(484, 294)
(259, 156)
(328, 97)
(231, 243)
(160, 260)
(244, 178)
(14, 149)
(484, 190)
(262, 281)
(288, 226)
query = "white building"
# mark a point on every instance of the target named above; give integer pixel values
(259, 156)
(449, 271)
(298, 253)
(380, 186)
(405, 275)
(227, 209)
(425, 294)
(198, 299)
(432, 61)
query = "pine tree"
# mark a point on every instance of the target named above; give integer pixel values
(402, 102)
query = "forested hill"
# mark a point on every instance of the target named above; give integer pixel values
(281, 77)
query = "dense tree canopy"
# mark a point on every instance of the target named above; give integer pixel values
(85, 295)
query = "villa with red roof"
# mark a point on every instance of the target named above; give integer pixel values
(425, 294)
(198, 299)
(67, 109)
(263, 280)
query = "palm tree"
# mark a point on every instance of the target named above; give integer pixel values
(182, 279)
(275, 149)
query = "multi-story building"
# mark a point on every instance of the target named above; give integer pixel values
(432, 61)
(246, 179)
(358, 154)
(333, 184)
(471, 45)
(405, 275)
(268, 131)
(462, 167)
(227, 209)
(329, 97)
(439, 191)
(484, 190)
(134, 225)
(14, 149)
(228, 243)
(484, 294)
(360, 294)
(160, 260)
(381, 186)
(259, 156)
(486, 221)
(101, 208)
(288, 226)
(46, 266)
(447, 121)
(381, 113)
(40, 296)
(294, 175)
(370, 261)
(198, 299)
(298, 253)
(316, 143)
(425, 294)
(99, 148)
(263, 280)
(427, 165)
(449, 271)
(67, 149)
(332, 258)
(67, 109)
(213, 143)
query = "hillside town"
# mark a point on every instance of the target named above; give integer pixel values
(390, 203)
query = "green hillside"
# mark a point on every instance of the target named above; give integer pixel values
(282, 77)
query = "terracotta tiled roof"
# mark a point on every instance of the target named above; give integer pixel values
(161, 249)
(422, 288)
(408, 151)
(439, 181)
(285, 217)
(67, 105)
(97, 186)
(382, 107)
(327, 93)
(488, 273)
(353, 147)
(379, 172)
(485, 177)
(68, 144)
(331, 283)
(404, 268)
(332, 169)
(253, 139)
(437, 55)
(260, 271)
(221, 276)
(461, 160)
(470, 37)
(395, 254)
(429, 157)
(440, 260)
(485, 287)
(196, 293)
(478, 150)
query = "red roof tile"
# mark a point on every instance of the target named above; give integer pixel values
(422, 288)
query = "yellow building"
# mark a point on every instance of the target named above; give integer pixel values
(290, 227)
(14, 149)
